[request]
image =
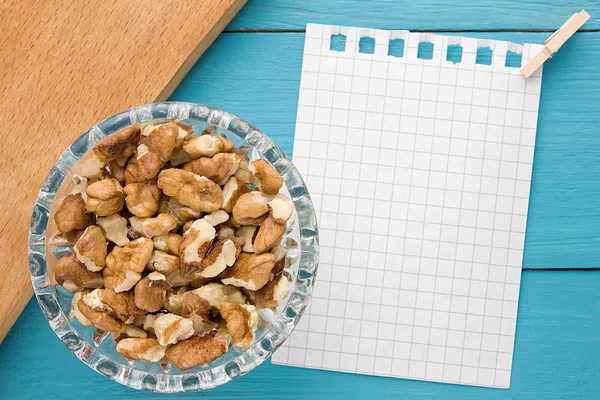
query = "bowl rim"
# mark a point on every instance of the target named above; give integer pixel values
(271, 339)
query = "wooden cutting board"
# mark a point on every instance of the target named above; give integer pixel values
(65, 65)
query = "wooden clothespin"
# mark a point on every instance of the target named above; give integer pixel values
(553, 43)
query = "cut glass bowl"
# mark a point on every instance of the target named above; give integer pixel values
(97, 349)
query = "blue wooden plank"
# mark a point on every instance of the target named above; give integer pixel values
(557, 350)
(406, 14)
(257, 77)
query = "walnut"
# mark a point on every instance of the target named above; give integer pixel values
(150, 292)
(219, 168)
(90, 166)
(228, 145)
(270, 181)
(251, 209)
(118, 305)
(201, 257)
(186, 132)
(193, 303)
(272, 293)
(201, 324)
(269, 235)
(195, 191)
(128, 331)
(114, 228)
(171, 328)
(206, 146)
(179, 156)
(119, 145)
(199, 282)
(220, 256)
(186, 227)
(244, 175)
(266, 318)
(226, 232)
(169, 242)
(73, 236)
(216, 294)
(149, 127)
(246, 235)
(131, 234)
(281, 208)
(175, 279)
(216, 217)
(175, 209)
(198, 350)
(279, 253)
(152, 154)
(162, 262)
(69, 238)
(174, 299)
(183, 133)
(242, 321)
(194, 246)
(72, 215)
(90, 248)
(105, 197)
(232, 191)
(75, 309)
(153, 226)
(199, 311)
(124, 265)
(100, 320)
(142, 198)
(116, 170)
(251, 271)
(81, 184)
(73, 275)
(244, 160)
(146, 322)
(145, 349)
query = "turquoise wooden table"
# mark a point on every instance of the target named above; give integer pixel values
(253, 70)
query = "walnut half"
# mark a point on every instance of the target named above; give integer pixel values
(74, 276)
(171, 328)
(142, 198)
(195, 191)
(250, 271)
(242, 321)
(198, 350)
(72, 215)
(105, 197)
(90, 248)
(150, 292)
(272, 293)
(145, 349)
(124, 265)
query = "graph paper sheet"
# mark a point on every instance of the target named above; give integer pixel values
(420, 173)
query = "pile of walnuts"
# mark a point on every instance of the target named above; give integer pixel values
(176, 242)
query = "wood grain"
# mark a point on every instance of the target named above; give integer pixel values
(556, 358)
(63, 67)
(406, 14)
(563, 224)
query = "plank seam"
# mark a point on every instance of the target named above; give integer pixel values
(517, 30)
(561, 269)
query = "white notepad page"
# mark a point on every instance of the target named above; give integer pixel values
(420, 173)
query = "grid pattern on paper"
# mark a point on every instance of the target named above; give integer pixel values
(420, 173)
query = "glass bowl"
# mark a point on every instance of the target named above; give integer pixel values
(96, 348)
